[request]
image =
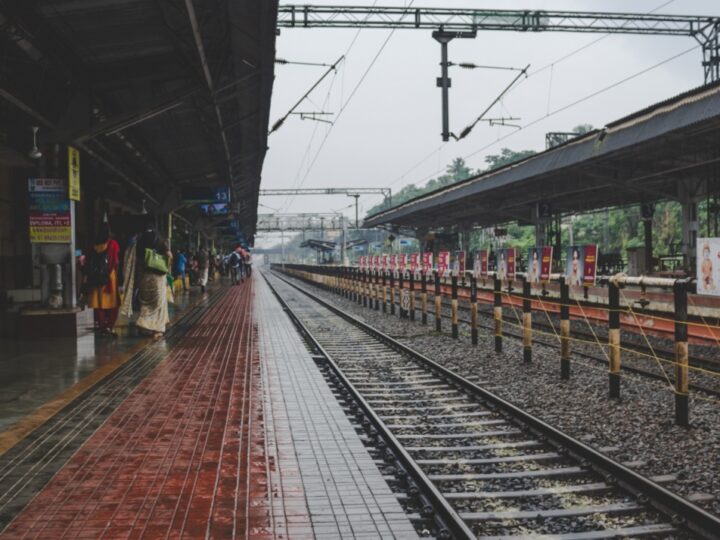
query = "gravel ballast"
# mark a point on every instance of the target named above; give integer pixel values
(639, 427)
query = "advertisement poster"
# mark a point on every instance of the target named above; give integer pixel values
(539, 264)
(590, 265)
(376, 262)
(402, 262)
(505, 264)
(443, 263)
(574, 266)
(384, 262)
(708, 266)
(49, 211)
(459, 263)
(427, 262)
(361, 262)
(393, 263)
(484, 263)
(414, 263)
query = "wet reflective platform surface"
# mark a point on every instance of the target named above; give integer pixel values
(224, 429)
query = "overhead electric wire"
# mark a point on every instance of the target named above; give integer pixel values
(529, 76)
(573, 104)
(465, 132)
(281, 121)
(349, 99)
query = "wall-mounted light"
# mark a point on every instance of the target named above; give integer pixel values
(35, 152)
(144, 210)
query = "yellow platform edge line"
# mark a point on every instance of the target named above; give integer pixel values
(25, 426)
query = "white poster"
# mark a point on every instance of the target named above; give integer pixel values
(708, 266)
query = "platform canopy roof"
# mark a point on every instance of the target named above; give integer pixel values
(161, 94)
(668, 151)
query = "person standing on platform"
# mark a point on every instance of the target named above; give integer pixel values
(203, 267)
(153, 260)
(235, 262)
(102, 280)
(180, 264)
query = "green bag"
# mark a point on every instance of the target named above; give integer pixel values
(156, 262)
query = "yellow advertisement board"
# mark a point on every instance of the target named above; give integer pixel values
(73, 174)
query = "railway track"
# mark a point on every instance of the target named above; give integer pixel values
(473, 464)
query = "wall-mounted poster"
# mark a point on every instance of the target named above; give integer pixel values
(49, 211)
(581, 265)
(459, 263)
(539, 264)
(427, 262)
(443, 263)
(505, 264)
(574, 266)
(708, 266)
(482, 261)
(590, 265)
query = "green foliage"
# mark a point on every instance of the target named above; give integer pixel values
(457, 171)
(506, 157)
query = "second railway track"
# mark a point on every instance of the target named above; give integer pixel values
(478, 466)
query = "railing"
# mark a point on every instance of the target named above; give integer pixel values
(675, 315)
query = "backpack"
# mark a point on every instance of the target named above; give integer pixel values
(234, 259)
(98, 268)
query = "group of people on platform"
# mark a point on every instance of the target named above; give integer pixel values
(140, 278)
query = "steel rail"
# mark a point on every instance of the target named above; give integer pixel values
(682, 511)
(447, 515)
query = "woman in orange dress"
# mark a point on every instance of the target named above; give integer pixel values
(102, 280)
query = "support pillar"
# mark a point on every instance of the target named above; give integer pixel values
(497, 314)
(614, 339)
(454, 306)
(527, 320)
(681, 354)
(438, 302)
(412, 296)
(423, 298)
(564, 330)
(473, 311)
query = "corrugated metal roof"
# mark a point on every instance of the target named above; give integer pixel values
(633, 131)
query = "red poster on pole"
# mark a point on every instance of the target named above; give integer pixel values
(459, 263)
(511, 254)
(427, 262)
(393, 263)
(590, 265)
(414, 262)
(443, 263)
(402, 262)
(484, 262)
(384, 262)
(546, 264)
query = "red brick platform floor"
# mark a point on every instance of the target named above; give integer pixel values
(183, 455)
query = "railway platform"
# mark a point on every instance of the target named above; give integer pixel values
(223, 429)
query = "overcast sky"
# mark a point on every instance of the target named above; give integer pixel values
(389, 132)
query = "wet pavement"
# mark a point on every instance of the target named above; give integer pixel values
(34, 372)
(225, 429)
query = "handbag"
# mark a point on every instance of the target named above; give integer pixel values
(155, 262)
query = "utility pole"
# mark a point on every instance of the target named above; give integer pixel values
(444, 82)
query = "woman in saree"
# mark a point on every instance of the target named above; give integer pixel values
(101, 276)
(152, 283)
